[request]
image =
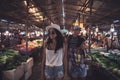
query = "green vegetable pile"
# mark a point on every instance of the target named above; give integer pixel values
(106, 63)
(10, 59)
(7, 54)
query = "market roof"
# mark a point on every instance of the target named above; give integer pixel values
(62, 12)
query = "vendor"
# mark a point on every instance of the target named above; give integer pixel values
(94, 44)
(6, 41)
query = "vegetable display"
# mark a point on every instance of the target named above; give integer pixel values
(106, 63)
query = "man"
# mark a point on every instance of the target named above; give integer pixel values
(76, 55)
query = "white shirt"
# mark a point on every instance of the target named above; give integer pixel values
(54, 59)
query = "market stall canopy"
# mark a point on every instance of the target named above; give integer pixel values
(62, 12)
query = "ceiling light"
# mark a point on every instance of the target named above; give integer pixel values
(116, 21)
(36, 14)
(112, 29)
(33, 10)
(3, 20)
(37, 20)
(25, 2)
(96, 29)
(88, 9)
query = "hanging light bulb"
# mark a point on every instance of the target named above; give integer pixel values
(25, 2)
(97, 29)
(84, 31)
(112, 29)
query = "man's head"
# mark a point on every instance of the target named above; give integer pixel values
(77, 30)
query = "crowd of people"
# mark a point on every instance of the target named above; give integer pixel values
(8, 41)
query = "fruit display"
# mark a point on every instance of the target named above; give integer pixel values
(31, 45)
(106, 63)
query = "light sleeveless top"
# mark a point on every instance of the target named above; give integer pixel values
(54, 59)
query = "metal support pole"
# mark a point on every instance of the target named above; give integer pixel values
(111, 46)
(1, 38)
(27, 24)
(26, 39)
(89, 42)
(79, 19)
(91, 3)
(43, 26)
(26, 2)
(97, 38)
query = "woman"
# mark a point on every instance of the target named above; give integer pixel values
(52, 63)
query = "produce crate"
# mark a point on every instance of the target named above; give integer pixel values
(25, 69)
(28, 64)
(28, 74)
(14, 74)
(28, 68)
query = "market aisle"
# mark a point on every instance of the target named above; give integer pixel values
(36, 72)
(94, 75)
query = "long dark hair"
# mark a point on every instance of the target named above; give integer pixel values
(59, 40)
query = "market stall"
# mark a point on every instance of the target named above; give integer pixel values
(17, 58)
(107, 63)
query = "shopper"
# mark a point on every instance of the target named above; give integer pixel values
(6, 41)
(76, 55)
(108, 42)
(54, 53)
